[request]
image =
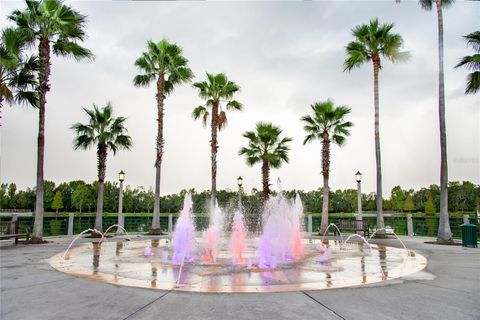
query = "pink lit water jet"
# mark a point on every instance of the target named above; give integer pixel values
(212, 236)
(238, 238)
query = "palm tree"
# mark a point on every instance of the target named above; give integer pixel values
(51, 25)
(17, 70)
(372, 42)
(163, 63)
(265, 146)
(329, 126)
(472, 63)
(107, 133)
(444, 231)
(216, 90)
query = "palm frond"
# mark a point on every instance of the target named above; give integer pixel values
(198, 111)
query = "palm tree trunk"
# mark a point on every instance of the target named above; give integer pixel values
(44, 74)
(444, 232)
(102, 161)
(379, 197)
(155, 229)
(265, 180)
(214, 150)
(326, 173)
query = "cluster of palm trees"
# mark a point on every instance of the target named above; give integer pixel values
(49, 26)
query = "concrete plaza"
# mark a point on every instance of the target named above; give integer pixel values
(449, 288)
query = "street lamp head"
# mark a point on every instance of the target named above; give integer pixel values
(121, 176)
(358, 176)
(240, 181)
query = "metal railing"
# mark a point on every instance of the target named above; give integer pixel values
(57, 226)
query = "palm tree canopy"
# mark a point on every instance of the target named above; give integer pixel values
(102, 128)
(265, 144)
(216, 89)
(374, 40)
(428, 4)
(162, 58)
(17, 71)
(472, 63)
(327, 119)
(56, 22)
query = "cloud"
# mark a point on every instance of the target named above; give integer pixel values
(285, 56)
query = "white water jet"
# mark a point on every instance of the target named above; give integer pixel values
(78, 236)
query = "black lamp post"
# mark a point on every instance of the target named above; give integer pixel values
(240, 183)
(121, 222)
(358, 177)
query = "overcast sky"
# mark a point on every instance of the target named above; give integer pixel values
(285, 56)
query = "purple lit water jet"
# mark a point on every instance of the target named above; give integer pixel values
(184, 234)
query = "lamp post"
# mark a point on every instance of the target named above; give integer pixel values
(358, 177)
(121, 178)
(240, 183)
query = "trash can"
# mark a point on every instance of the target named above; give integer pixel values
(469, 235)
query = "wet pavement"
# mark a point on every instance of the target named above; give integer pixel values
(448, 288)
(349, 264)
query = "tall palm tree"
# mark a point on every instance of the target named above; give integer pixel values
(216, 90)
(164, 64)
(107, 133)
(372, 42)
(472, 63)
(328, 125)
(17, 70)
(51, 25)
(444, 231)
(266, 146)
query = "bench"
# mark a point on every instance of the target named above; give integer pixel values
(353, 225)
(9, 229)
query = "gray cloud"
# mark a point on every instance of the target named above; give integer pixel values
(285, 56)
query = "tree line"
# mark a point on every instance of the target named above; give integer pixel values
(79, 196)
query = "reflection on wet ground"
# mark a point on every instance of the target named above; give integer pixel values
(124, 263)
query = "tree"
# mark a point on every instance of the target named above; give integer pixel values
(81, 197)
(49, 25)
(266, 147)
(49, 194)
(328, 125)
(408, 204)
(17, 70)
(472, 63)
(214, 91)
(429, 206)
(372, 42)
(444, 232)
(57, 202)
(397, 197)
(163, 63)
(107, 133)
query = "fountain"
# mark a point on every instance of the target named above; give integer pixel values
(219, 260)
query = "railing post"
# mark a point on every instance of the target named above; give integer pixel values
(170, 223)
(71, 217)
(14, 217)
(310, 224)
(466, 219)
(410, 232)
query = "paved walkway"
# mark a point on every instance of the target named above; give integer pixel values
(449, 288)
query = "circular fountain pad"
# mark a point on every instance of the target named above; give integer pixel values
(124, 263)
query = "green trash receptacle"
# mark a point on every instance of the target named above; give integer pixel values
(469, 235)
